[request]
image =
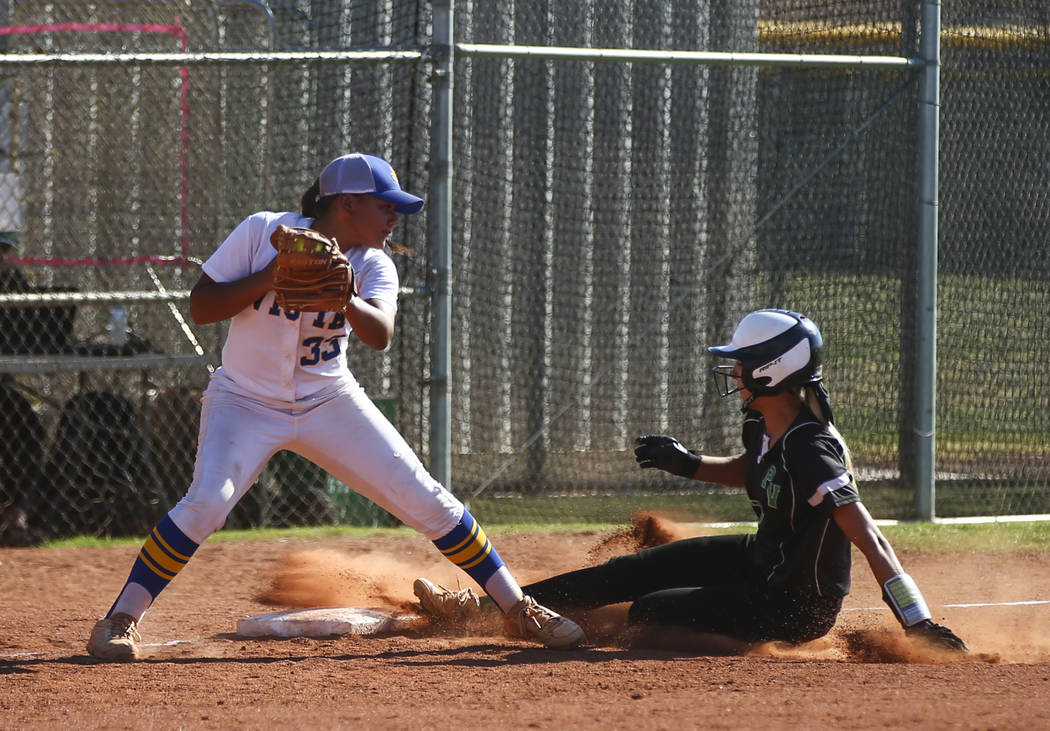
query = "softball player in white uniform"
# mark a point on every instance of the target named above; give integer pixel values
(284, 384)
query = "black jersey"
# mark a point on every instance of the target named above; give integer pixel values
(794, 486)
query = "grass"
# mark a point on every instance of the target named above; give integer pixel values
(308, 533)
(1024, 537)
(333, 532)
(708, 506)
(985, 394)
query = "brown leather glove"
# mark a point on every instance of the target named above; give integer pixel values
(312, 274)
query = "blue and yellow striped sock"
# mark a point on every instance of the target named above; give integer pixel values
(162, 557)
(468, 547)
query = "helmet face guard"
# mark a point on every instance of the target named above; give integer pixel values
(725, 380)
(778, 350)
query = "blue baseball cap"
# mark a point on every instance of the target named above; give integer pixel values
(360, 173)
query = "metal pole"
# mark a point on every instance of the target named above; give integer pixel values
(440, 233)
(926, 325)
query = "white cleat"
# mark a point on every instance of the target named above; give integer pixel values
(535, 622)
(115, 638)
(445, 605)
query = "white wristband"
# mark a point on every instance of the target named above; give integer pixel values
(905, 599)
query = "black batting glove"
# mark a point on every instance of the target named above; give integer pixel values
(937, 635)
(665, 453)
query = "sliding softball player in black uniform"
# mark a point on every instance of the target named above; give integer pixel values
(784, 582)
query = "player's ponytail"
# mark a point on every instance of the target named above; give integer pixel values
(312, 204)
(308, 202)
(818, 400)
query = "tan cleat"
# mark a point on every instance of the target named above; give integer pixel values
(445, 605)
(115, 638)
(535, 622)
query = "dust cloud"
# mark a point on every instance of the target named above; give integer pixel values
(995, 633)
(329, 578)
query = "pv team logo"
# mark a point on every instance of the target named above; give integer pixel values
(771, 488)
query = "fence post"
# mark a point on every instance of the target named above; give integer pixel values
(440, 234)
(926, 311)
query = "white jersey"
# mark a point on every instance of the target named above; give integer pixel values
(287, 356)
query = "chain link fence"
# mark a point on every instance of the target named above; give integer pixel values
(117, 179)
(610, 220)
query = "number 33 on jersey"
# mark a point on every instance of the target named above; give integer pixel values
(317, 347)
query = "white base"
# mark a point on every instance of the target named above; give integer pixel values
(324, 622)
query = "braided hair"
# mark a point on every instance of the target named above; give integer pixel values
(818, 400)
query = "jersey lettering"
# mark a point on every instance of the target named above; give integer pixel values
(337, 322)
(274, 309)
(316, 354)
(772, 488)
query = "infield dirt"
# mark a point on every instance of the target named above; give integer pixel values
(197, 673)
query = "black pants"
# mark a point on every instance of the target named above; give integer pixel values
(702, 584)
